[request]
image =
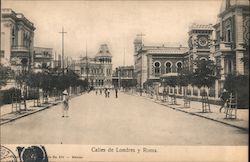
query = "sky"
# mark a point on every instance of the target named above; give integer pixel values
(116, 23)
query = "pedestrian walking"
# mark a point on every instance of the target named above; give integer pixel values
(100, 91)
(108, 92)
(65, 106)
(96, 92)
(116, 93)
(164, 95)
(224, 98)
(105, 92)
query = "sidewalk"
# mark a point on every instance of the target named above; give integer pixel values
(7, 115)
(196, 109)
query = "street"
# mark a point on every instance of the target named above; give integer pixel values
(126, 120)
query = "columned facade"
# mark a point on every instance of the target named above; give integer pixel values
(18, 39)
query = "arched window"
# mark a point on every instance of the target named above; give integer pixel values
(179, 67)
(157, 66)
(168, 67)
(203, 58)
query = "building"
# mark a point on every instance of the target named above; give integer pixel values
(200, 44)
(151, 62)
(43, 59)
(226, 43)
(97, 70)
(124, 76)
(17, 39)
(231, 50)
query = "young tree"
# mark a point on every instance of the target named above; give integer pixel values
(203, 77)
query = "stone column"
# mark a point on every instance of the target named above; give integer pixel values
(19, 36)
(217, 89)
(199, 93)
(239, 41)
(223, 67)
(7, 33)
(192, 91)
(239, 63)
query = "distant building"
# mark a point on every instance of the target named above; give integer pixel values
(124, 76)
(43, 59)
(17, 39)
(97, 70)
(151, 62)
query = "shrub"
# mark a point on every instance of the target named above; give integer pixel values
(7, 95)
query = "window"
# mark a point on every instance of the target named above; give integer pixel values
(179, 67)
(228, 35)
(230, 66)
(168, 67)
(157, 66)
(13, 37)
(203, 58)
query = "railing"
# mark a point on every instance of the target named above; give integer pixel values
(20, 48)
(224, 46)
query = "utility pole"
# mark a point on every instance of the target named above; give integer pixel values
(63, 32)
(141, 35)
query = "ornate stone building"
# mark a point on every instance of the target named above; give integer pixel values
(232, 38)
(17, 39)
(200, 42)
(226, 43)
(151, 62)
(97, 70)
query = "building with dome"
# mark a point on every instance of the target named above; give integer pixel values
(17, 40)
(97, 70)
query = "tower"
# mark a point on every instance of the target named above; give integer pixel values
(105, 58)
(200, 42)
(137, 47)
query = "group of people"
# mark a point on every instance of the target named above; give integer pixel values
(106, 92)
(65, 103)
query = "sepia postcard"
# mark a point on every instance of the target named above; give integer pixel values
(124, 80)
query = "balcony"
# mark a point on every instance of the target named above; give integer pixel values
(19, 49)
(224, 46)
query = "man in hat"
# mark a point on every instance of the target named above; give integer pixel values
(65, 103)
(225, 99)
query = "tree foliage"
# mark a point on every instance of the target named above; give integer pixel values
(238, 84)
(5, 75)
(205, 73)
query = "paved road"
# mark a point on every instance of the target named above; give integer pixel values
(128, 120)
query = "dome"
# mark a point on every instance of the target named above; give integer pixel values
(104, 51)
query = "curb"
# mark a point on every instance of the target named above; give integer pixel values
(191, 113)
(33, 112)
